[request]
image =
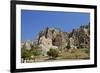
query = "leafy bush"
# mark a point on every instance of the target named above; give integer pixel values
(25, 54)
(30, 54)
(87, 51)
(68, 45)
(53, 53)
(35, 51)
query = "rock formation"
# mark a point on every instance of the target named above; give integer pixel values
(58, 39)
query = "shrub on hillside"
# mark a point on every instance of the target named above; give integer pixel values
(53, 53)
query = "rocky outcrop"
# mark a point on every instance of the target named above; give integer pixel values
(58, 39)
(27, 45)
(45, 44)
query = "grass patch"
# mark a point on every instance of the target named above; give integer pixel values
(75, 54)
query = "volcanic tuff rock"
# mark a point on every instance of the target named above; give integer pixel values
(57, 39)
(27, 44)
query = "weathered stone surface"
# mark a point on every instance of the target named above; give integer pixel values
(58, 39)
(45, 44)
(27, 45)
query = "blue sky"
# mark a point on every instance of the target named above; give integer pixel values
(32, 21)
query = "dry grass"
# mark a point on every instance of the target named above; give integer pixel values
(75, 54)
(66, 55)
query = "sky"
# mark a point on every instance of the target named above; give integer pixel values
(33, 21)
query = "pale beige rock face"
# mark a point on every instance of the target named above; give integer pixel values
(46, 44)
(27, 45)
(58, 39)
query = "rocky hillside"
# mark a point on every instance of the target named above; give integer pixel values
(58, 39)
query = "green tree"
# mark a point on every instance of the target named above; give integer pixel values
(68, 45)
(53, 53)
(35, 52)
(25, 54)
